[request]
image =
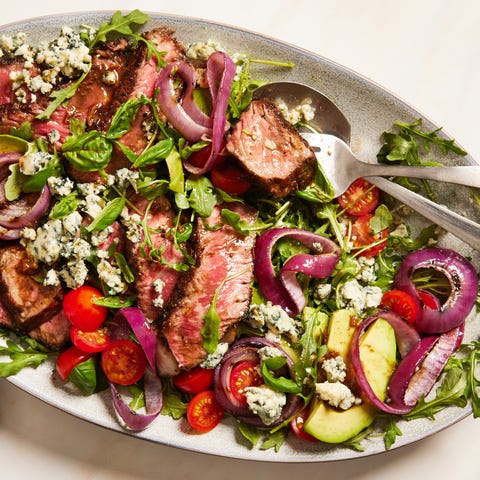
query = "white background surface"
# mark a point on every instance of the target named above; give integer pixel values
(425, 51)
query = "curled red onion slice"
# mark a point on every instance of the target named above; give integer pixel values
(153, 403)
(244, 350)
(134, 319)
(463, 281)
(191, 123)
(284, 290)
(186, 116)
(18, 214)
(413, 381)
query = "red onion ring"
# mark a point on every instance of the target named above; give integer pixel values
(17, 214)
(464, 287)
(133, 318)
(242, 350)
(284, 290)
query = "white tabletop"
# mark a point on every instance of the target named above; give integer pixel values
(426, 52)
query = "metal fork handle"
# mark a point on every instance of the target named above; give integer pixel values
(463, 228)
(463, 175)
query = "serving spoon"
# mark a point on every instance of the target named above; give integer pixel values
(341, 167)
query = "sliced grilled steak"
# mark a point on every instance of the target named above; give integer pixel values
(109, 63)
(5, 318)
(155, 278)
(272, 152)
(53, 333)
(224, 265)
(29, 302)
(139, 79)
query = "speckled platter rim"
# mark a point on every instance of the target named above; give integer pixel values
(371, 110)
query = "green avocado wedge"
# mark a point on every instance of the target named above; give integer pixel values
(378, 355)
(9, 143)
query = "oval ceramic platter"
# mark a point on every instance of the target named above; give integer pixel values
(370, 110)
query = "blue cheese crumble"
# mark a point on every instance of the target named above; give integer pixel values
(336, 394)
(357, 297)
(274, 321)
(213, 359)
(335, 369)
(265, 402)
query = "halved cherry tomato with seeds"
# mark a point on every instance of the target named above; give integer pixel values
(123, 362)
(80, 310)
(360, 198)
(402, 303)
(90, 342)
(244, 374)
(195, 380)
(363, 236)
(204, 412)
(297, 423)
(69, 359)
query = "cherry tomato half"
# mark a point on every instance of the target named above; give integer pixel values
(402, 303)
(244, 374)
(229, 179)
(195, 380)
(81, 311)
(362, 236)
(69, 359)
(204, 412)
(360, 198)
(89, 342)
(123, 362)
(429, 300)
(297, 423)
(200, 157)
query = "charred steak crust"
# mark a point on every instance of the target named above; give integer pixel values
(224, 264)
(271, 150)
(28, 302)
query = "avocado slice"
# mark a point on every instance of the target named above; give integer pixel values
(378, 355)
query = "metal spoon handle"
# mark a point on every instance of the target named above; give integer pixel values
(464, 175)
(463, 228)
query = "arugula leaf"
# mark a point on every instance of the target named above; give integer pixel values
(241, 226)
(280, 384)
(124, 267)
(173, 405)
(152, 50)
(202, 199)
(210, 330)
(381, 219)
(61, 96)
(391, 431)
(250, 433)
(115, 302)
(452, 391)
(175, 171)
(432, 137)
(274, 440)
(119, 23)
(123, 118)
(23, 352)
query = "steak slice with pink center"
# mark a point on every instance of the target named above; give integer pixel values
(224, 266)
